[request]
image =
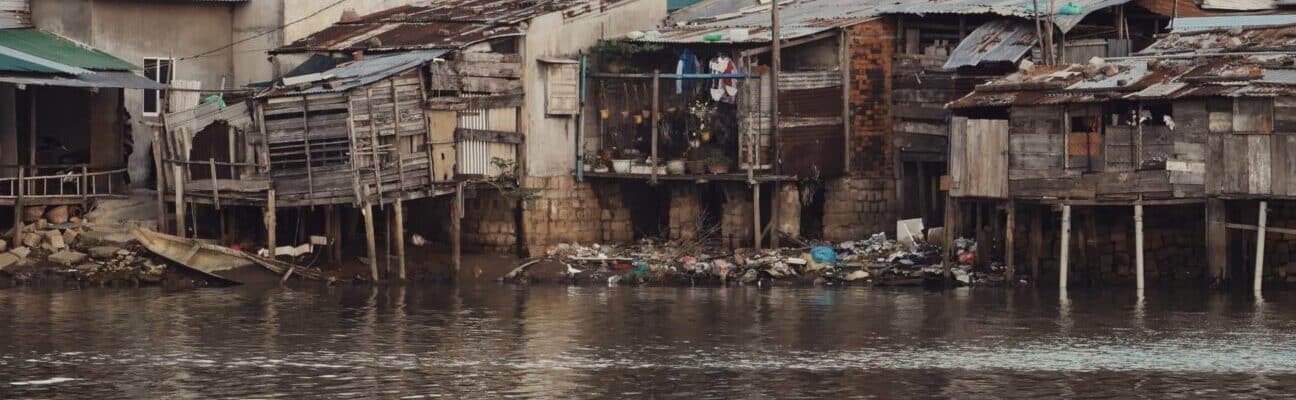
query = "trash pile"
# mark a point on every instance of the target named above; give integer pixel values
(874, 261)
(56, 242)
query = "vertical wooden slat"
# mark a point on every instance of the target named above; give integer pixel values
(211, 163)
(1260, 244)
(1065, 245)
(310, 175)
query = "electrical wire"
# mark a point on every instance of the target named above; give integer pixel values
(263, 34)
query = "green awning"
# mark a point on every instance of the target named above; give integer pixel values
(63, 51)
(19, 65)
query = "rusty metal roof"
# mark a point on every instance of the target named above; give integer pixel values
(995, 41)
(441, 24)
(807, 17)
(1140, 79)
(359, 73)
(1210, 35)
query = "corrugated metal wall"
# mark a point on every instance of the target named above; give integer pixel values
(15, 14)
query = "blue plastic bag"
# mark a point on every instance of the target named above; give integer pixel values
(824, 255)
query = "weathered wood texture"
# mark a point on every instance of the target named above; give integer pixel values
(982, 148)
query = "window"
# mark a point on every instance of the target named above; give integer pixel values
(159, 70)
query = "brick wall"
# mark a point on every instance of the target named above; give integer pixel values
(872, 46)
(736, 223)
(685, 212)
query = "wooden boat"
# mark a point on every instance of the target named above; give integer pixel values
(218, 261)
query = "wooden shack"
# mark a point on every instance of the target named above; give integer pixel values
(1184, 137)
(365, 134)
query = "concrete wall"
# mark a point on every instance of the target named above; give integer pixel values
(550, 144)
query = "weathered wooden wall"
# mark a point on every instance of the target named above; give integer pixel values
(1250, 147)
(980, 152)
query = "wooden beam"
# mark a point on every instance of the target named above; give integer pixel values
(656, 113)
(951, 220)
(400, 157)
(373, 148)
(310, 174)
(371, 244)
(399, 210)
(179, 200)
(756, 219)
(776, 217)
(456, 222)
(1009, 243)
(159, 182)
(211, 164)
(18, 207)
(1065, 245)
(271, 221)
(1138, 245)
(1260, 244)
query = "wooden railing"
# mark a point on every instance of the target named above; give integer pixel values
(63, 181)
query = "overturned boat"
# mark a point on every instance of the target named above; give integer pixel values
(218, 261)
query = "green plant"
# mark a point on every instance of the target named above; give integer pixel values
(506, 181)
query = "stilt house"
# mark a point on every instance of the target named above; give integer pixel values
(1189, 128)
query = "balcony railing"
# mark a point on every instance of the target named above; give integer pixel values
(65, 182)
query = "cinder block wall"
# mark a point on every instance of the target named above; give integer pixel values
(561, 211)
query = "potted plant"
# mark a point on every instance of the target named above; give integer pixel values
(717, 162)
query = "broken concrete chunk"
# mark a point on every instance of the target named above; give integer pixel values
(103, 252)
(70, 236)
(4, 245)
(54, 240)
(68, 257)
(32, 239)
(33, 213)
(20, 251)
(57, 215)
(8, 260)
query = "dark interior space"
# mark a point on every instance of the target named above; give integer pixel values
(812, 211)
(649, 209)
(711, 198)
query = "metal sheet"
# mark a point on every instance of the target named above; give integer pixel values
(368, 70)
(100, 79)
(995, 41)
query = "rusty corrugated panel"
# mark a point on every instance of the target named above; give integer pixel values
(812, 150)
(445, 24)
(995, 41)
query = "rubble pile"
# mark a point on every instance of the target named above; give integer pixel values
(873, 261)
(56, 242)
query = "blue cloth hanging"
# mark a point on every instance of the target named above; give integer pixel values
(688, 64)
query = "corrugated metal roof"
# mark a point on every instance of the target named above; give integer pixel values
(16, 61)
(1185, 25)
(443, 24)
(806, 17)
(1138, 80)
(1248, 34)
(95, 79)
(63, 51)
(369, 70)
(995, 41)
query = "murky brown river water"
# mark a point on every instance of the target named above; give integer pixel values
(596, 342)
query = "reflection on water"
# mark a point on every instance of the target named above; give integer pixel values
(579, 342)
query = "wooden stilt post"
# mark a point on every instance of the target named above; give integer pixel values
(18, 207)
(1216, 240)
(179, 200)
(1138, 244)
(1260, 244)
(951, 232)
(776, 217)
(1065, 246)
(1036, 246)
(387, 242)
(756, 219)
(456, 221)
(371, 244)
(1009, 243)
(271, 222)
(328, 231)
(159, 180)
(399, 209)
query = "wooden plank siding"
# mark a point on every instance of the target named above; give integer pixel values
(981, 148)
